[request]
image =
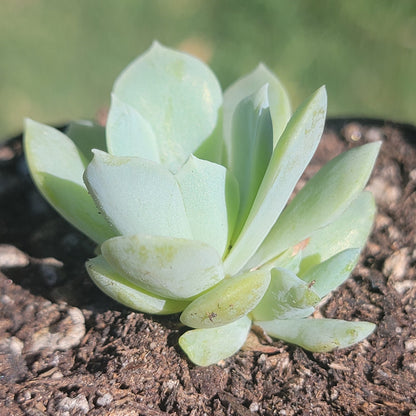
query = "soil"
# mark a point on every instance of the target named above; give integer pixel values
(67, 349)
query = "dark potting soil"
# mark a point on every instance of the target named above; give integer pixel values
(67, 349)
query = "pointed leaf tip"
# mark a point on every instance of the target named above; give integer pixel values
(290, 157)
(324, 197)
(261, 100)
(318, 335)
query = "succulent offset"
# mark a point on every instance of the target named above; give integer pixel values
(187, 193)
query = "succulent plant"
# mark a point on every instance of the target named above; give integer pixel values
(187, 193)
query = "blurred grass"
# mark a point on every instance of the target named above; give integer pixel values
(59, 58)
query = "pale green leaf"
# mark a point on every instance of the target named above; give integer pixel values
(242, 88)
(251, 148)
(57, 166)
(328, 275)
(287, 297)
(177, 94)
(318, 335)
(128, 133)
(210, 345)
(320, 201)
(231, 299)
(349, 230)
(170, 267)
(290, 157)
(210, 196)
(86, 135)
(137, 196)
(128, 294)
(213, 148)
(289, 259)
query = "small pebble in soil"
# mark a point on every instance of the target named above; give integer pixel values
(11, 257)
(71, 406)
(254, 407)
(6, 300)
(410, 345)
(63, 336)
(385, 193)
(396, 265)
(11, 345)
(404, 286)
(104, 400)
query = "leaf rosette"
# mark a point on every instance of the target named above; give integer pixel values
(187, 193)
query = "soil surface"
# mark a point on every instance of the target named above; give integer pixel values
(67, 349)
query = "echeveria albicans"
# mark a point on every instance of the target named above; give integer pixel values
(186, 190)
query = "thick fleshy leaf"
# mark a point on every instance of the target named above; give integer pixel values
(209, 345)
(289, 259)
(290, 157)
(177, 94)
(87, 135)
(349, 230)
(251, 83)
(170, 267)
(251, 148)
(213, 148)
(210, 196)
(320, 201)
(128, 133)
(328, 275)
(287, 297)
(318, 335)
(231, 299)
(57, 166)
(137, 196)
(128, 294)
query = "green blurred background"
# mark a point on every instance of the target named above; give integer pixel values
(59, 58)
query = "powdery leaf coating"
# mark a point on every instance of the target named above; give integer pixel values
(129, 133)
(208, 346)
(231, 299)
(331, 273)
(249, 84)
(182, 110)
(320, 201)
(211, 199)
(87, 135)
(170, 267)
(190, 204)
(252, 147)
(287, 297)
(318, 335)
(127, 293)
(137, 196)
(354, 225)
(290, 157)
(57, 166)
